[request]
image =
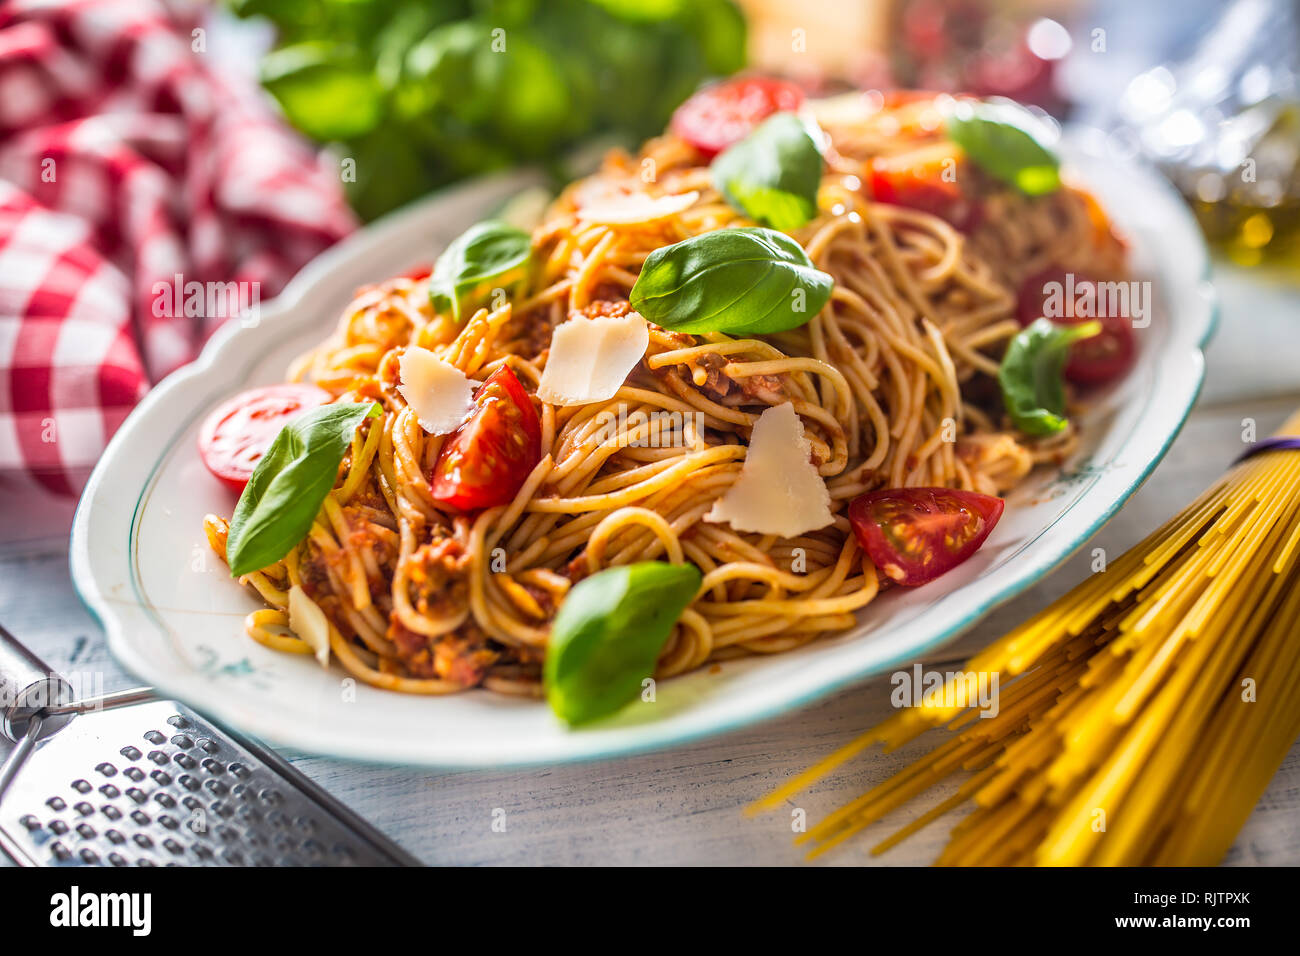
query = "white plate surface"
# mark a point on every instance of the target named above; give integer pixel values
(174, 616)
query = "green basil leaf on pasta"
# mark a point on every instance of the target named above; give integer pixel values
(1031, 374)
(290, 483)
(608, 633)
(773, 174)
(745, 281)
(1004, 149)
(491, 254)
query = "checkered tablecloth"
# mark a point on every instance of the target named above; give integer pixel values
(131, 169)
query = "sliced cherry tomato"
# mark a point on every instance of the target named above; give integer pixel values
(416, 273)
(923, 179)
(1103, 357)
(236, 435)
(484, 462)
(724, 113)
(914, 535)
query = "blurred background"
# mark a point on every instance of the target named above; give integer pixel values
(417, 92)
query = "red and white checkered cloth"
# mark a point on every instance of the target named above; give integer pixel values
(127, 160)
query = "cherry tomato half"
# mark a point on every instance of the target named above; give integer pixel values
(724, 113)
(1103, 357)
(484, 462)
(914, 535)
(237, 434)
(924, 179)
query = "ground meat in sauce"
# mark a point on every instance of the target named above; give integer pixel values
(749, 390)
(462, 656)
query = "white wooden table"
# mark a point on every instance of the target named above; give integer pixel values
(684, 806)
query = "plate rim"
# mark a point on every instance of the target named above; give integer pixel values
(172, 682)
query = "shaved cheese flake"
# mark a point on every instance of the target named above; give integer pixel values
(630, 208)
(308, 621)
(438, 392)
(591, 358)
(779, 490)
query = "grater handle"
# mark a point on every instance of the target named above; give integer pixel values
(27, 686)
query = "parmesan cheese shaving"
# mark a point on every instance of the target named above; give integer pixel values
(625, 209)
(591, 358)
(308, 621)
(438, 393)
(779, 490)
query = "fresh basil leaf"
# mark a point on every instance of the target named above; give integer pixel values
(327, 91)
(1004, 149)
(488, 254)
(773, 174)
(290, 483)
(608, 633)
(746, 281)
(1033, 387)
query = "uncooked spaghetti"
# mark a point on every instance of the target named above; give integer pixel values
(893, 381)
(1141, 715)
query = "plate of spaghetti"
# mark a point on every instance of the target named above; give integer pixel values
(787, 398)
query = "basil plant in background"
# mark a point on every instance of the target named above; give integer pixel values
(419, 93)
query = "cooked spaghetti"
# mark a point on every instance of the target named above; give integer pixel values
(893, 382)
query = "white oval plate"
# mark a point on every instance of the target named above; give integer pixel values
(174, 616)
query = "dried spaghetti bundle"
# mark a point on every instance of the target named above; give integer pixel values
(1141, 715)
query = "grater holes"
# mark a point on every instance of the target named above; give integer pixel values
(145, 861)
(161, 777)
(89, 856)
(117, 859)
(165, 799)
(140, 817)
(58, 827)
(183, 740)
(136, 794)
(81, 786)
(154, 737)
(158, 757)
(85, 831)
(142, 840)
(188, 782)
(213, 766)
(110, 791)
(178, 721)
(130, 753)
(115, 836)
(220, 808)
(135, 773)
(30, 822)
(240, 771)
(172, 846)
(186, 761)
(106, 769)
(84, 808)
(60, 852)
(56, 804)
(168, 821)
(208, 745)
(110, 811)
(215, 786)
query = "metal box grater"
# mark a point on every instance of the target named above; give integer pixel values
(151, 782)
